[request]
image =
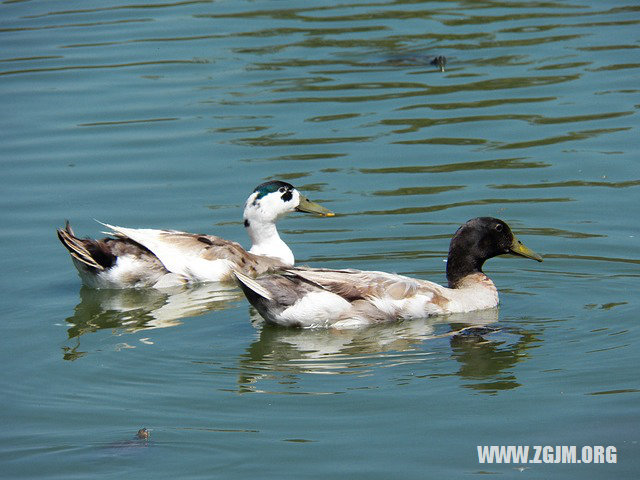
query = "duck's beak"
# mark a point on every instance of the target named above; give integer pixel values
(308, 206)
(519, 248)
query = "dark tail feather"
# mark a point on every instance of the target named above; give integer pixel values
(78, 247)
(257, 295)
(254, 292)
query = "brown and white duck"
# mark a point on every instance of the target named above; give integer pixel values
(317, 297)
(141, 257)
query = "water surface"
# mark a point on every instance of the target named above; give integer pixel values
(166, 115)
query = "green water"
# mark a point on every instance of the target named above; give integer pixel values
(166, 115)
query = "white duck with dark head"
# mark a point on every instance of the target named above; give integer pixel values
(141, 257)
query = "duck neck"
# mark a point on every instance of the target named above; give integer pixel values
(266, 241)
(461, 263)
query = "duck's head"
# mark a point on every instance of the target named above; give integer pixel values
(271, 200)
(478, 240)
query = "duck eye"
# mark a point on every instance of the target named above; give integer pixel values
(282, 189)
(286, 194)
(498, 227)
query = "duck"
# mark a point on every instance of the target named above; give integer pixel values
(320, 297)
(142, 258)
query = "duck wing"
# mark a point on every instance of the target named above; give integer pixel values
(367, 285)
(197, 257)
(315, 297)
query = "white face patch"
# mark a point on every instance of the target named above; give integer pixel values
(271, 206)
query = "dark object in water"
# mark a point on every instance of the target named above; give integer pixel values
(440, 61)
(411, 60)
(139, 441)
(473, 333)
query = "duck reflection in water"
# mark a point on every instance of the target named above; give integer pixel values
(131, 310)
(487, 361)
(485, 351)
